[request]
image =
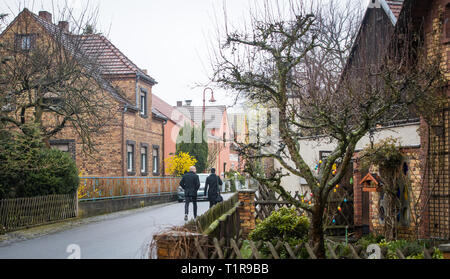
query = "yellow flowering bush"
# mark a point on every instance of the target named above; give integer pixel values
(179, 164)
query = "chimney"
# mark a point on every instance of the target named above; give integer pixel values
(188, 102)
(46, 16)
(179, 103)
(64, 26)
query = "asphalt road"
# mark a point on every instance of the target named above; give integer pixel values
(124, 235)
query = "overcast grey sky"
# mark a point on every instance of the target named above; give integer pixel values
(169, 38)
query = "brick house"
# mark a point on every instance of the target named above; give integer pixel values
(425, 209)
(131, 144)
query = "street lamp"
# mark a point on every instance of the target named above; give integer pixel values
(204, 101)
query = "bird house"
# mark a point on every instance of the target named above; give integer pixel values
(372, 182)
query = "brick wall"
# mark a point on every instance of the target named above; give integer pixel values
(412, 158)
(435, 143)
(247, 211)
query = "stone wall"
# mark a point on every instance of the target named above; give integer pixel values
(99, 207)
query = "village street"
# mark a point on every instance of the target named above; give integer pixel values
(122, 235)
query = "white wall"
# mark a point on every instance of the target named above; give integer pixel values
(407, 136)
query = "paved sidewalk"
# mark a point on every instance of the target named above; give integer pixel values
(42, 230)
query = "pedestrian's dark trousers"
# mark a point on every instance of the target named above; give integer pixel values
(194, 203)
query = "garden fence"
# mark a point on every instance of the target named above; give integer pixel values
(195, 247)
(26, 212)
(98, 188)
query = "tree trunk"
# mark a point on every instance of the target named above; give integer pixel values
(316, 232)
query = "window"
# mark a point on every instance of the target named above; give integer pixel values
(25, 42)
(224, 139)
(144, 160)
(65, 145)
(143, 103)
(61, 147)
(155, 159)
(323, 155)
(130, 157)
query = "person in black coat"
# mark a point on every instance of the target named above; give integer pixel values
(190, 183)
(212, 182)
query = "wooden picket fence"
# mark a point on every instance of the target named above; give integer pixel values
(203, 248)
(26, 212)
(266, 203)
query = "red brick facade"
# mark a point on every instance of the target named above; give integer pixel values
(431, 167)
(123, 83)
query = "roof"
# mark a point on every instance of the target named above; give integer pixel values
(106, 56)
(170, 112)
(372, 177)
(69, 42)
(158, 114)
(392, 9)
(213, 114)
(110, 58)
(395, 6)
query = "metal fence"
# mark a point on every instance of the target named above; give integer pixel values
(25, 212)
(98, 188)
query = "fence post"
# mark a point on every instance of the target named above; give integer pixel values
(76, 204)
(246, 210)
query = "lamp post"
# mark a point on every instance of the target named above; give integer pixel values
(204, 101)
(203, 115)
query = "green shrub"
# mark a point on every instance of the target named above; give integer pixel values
(282, 225)
(57, 173)
(410, 249)
(28, 168)
(369, 239)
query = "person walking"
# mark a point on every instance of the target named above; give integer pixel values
(190, 184)
(212, 182)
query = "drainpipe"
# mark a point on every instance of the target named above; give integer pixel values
(125, 108)
(163, 171)
(137, 91)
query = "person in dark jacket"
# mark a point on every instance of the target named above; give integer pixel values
(212, 182)
(190, 183)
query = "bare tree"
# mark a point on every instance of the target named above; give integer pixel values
(50, 79)
(299, 60)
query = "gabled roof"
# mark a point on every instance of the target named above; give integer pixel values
(106, 56)
(67, 40)
(395, 6)
(372, 178)
(110, 58)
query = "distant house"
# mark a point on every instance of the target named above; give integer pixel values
(175, 122)
(220, 134)
(132, 144)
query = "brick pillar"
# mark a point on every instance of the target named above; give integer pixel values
(247, 211)
(178, 244)
(423, 157)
